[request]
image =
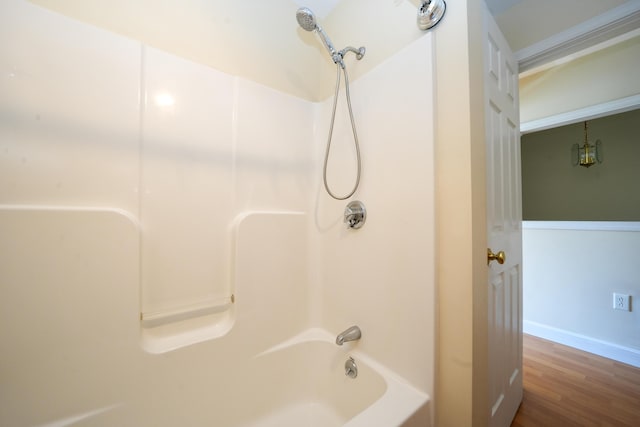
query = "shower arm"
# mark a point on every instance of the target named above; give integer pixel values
(339, 56)
(359, 52)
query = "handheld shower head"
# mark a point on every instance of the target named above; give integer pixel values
(307, 21)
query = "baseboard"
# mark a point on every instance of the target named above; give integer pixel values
(609, 350)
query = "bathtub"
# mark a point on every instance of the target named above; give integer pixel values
(302, 382)
(297, 383)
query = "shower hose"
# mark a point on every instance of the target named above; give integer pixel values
(355, 135)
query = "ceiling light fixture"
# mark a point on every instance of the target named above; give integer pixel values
(586, 154)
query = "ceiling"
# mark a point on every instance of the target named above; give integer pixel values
(498, 6)
(527, 22)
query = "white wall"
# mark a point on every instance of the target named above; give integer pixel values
(461, 241)
(571, 271)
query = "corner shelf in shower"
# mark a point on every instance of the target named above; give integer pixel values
(178, 327)
(204, 308)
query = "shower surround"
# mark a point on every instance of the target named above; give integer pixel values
(164, 225)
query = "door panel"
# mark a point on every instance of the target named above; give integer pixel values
(504, 219)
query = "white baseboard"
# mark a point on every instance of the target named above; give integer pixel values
(609, 350)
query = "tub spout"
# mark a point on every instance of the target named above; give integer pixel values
(351, 334)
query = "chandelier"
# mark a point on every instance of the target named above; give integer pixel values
(586, 154)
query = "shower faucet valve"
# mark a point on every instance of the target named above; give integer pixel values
(355, 214)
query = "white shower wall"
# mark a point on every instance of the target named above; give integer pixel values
(84, 128)
(381, 277)
(223, 146)
(199, 185)
(70, 112)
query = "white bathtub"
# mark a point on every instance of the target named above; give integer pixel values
(301, 382)
(298, 383)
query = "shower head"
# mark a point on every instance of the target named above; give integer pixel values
(430, 13)
(308, 22)
(306, 19)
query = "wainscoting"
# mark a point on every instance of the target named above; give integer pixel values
(570, 272)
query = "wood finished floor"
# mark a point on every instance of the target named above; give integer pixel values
(567, 387)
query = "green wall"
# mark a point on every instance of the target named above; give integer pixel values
(554, 190)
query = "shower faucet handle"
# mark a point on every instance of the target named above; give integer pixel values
(355, 214)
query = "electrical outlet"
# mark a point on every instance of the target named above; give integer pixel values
(621, 302)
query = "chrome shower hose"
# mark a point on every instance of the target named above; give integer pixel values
(355, 134)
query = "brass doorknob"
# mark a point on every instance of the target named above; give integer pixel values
(500, 257)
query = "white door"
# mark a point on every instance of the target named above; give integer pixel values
(504, 220)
